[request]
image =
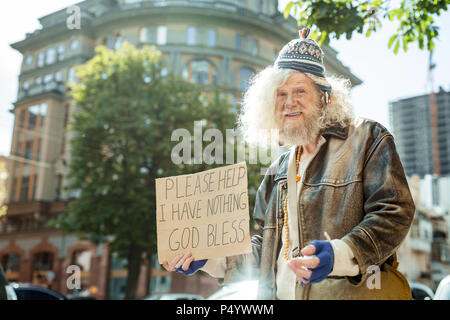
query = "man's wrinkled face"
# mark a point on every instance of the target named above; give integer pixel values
(297, 109)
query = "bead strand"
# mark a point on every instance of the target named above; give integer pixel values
(285, 221)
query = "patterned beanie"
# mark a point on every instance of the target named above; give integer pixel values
(305, 55)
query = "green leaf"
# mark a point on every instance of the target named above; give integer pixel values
(391, 40)
(323, 37)
(391, 15)
(287, 10)
(405, 44)
(397, 45)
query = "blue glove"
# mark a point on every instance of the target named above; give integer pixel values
(324, 251)
(193, 267)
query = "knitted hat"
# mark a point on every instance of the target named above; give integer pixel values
(305, 55)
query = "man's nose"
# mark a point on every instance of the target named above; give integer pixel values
(288, 102)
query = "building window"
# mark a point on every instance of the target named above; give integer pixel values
(24, 189)
(61, 51)
(58, 76)
(212, 37)
(26, 169)
(29, 59)
(28, 151)
(41, 59)
(42, 267)
(38, 80)
(43, 261)
(10, 262)
(51, 56)
(239, 42)
(26, 85)
(74, 44)
(71, 75)
(34, 112)
(200, 71)
(48, 78)
(254, 46)
(143, 35)
(258, 6)
(118, 42)
(11, 266)
(161, 35)
(241, 78)
(191, 35)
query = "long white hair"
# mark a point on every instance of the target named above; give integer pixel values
(257, 114)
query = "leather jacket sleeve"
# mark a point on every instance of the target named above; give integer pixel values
(388, 205)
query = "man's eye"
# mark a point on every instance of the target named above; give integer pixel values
(300, 91)
(281, 94)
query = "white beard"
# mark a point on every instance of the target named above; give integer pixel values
(303, 134)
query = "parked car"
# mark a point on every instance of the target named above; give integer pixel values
(420, 291)
(79, 297)
(6, 291)
(175, 296)
(30, 292)
(443, 289)
(244, 290)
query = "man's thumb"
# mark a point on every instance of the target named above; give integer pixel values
(309, 250)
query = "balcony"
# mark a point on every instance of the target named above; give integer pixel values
(26, 207)
(53, 86)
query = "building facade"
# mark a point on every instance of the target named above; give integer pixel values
(421, 127)
(213, 43)
(424, 255)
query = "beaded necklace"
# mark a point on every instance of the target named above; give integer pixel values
(285, 222)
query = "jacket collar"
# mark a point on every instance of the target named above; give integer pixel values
(335, 131)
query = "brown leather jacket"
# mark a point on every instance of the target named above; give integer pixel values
(354, 189)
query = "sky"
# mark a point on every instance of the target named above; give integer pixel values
(386, 76)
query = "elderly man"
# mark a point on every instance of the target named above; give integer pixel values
(334, 208)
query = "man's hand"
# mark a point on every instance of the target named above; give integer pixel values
(184, 263)
(316, 263)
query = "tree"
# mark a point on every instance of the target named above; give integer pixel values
(342, 17)
(126, 113)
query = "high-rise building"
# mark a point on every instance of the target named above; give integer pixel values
(421, 126)
(213, 43)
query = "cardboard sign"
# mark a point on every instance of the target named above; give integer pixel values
(205, 213)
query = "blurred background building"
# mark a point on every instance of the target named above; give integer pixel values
(422, 133)
(213, 43)
(424, 255)
(421, 128)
